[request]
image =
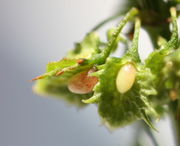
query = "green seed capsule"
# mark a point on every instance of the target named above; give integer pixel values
(125, 78)
(82, 83)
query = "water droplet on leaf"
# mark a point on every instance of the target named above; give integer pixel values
(82, 83)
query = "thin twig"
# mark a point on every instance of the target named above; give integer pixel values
(106, 21)
(150, 134)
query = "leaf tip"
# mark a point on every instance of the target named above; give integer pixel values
(37, 78)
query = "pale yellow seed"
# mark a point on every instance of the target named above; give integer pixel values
(125, 78)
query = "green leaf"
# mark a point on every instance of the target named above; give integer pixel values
(171, 72)
(118, 109)
(120, 38)
(101, 58)
(47, 87)
(133, 51)
(156, 63)
(54, 81)
(87, 48)
(61, 71)
(85, 55)
(58, 65)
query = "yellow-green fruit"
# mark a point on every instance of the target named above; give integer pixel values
(82, 83)
(125, 78)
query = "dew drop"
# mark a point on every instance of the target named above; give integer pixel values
(82, 83)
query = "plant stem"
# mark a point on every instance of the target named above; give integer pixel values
(106, 21)
(150, 134)
(101, 58)
(177, 125)
(175, 115)
(142, 126)
(133, 51)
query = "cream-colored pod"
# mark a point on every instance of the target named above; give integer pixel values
(82, 83)
(125, 78)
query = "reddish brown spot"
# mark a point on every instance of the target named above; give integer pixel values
(59, 73)
(130, 35)
(173, 95)
(37, 78)
(80, 61)
(177, 115)
(169, 20)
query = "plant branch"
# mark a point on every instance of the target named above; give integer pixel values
(175, 116)
(150, 134)
(105, 21)
(101, 58)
